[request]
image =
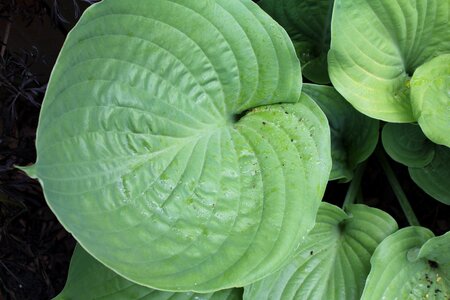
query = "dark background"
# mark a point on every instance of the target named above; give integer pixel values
(35, 249)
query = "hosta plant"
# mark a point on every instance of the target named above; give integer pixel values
(390, 60)
(179, 146)
(189, 162)
(333, 262)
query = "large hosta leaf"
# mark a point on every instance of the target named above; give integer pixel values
(430, 95)
(376, 46)
(429, 164)
(151, 154)
(410, 264)
(308, 24)
(333, 262)
(89, 279)
(354, 136)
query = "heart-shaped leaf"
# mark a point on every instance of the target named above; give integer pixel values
(376, 45)
(430, 96)
(410, 264)
(333, 262)
(354, 136)
(406, 144)
(308, 24)
(429, 164)
(89, 279)
(158, 152)
(434, 177)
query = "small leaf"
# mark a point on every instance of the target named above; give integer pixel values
(89, 279)
(434, 177)
(410, 264)
(437, 250)
(429, 164)
(406, 144)
(308, 24)
(430, 96)
(333, 262)
(354, 136)
(376, 46)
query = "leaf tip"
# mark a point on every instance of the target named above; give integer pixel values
(31, 170)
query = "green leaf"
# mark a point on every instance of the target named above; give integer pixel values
(158, 151)
(89, 279)
(429, 164)
(29, 170)
(333, 262)
(353, 135)
(430, 96)
(410, 264)
(406, 144)
(308, 24)
(434, 177)
(376, 45)
(437, 250)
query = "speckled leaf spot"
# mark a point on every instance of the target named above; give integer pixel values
(377, 45)
(89, 279)
(410, 264)
(334, 260)
(174, 145)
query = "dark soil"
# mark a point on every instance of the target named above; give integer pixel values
(35, 249)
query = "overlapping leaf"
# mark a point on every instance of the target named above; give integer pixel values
(377, 45)
(308, 24)
(430, 96)
(410, 264)
(434, 177)
(354, 136)
(406, 144)
(89, 279)
(429, 164)
(152, 153)
(333, 262)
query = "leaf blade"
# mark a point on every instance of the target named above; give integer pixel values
(333, 261)
(384, 42)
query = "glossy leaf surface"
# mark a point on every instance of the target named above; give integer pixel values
(376, 46)
(354, 136)
(308, 24)
(410, 264)
(165, 158)
(89, 279)
(333, 262)
(430, 94)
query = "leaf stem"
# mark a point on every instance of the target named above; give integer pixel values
(398, 191)
(6, 37)
(359, 196)
(354, 187)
